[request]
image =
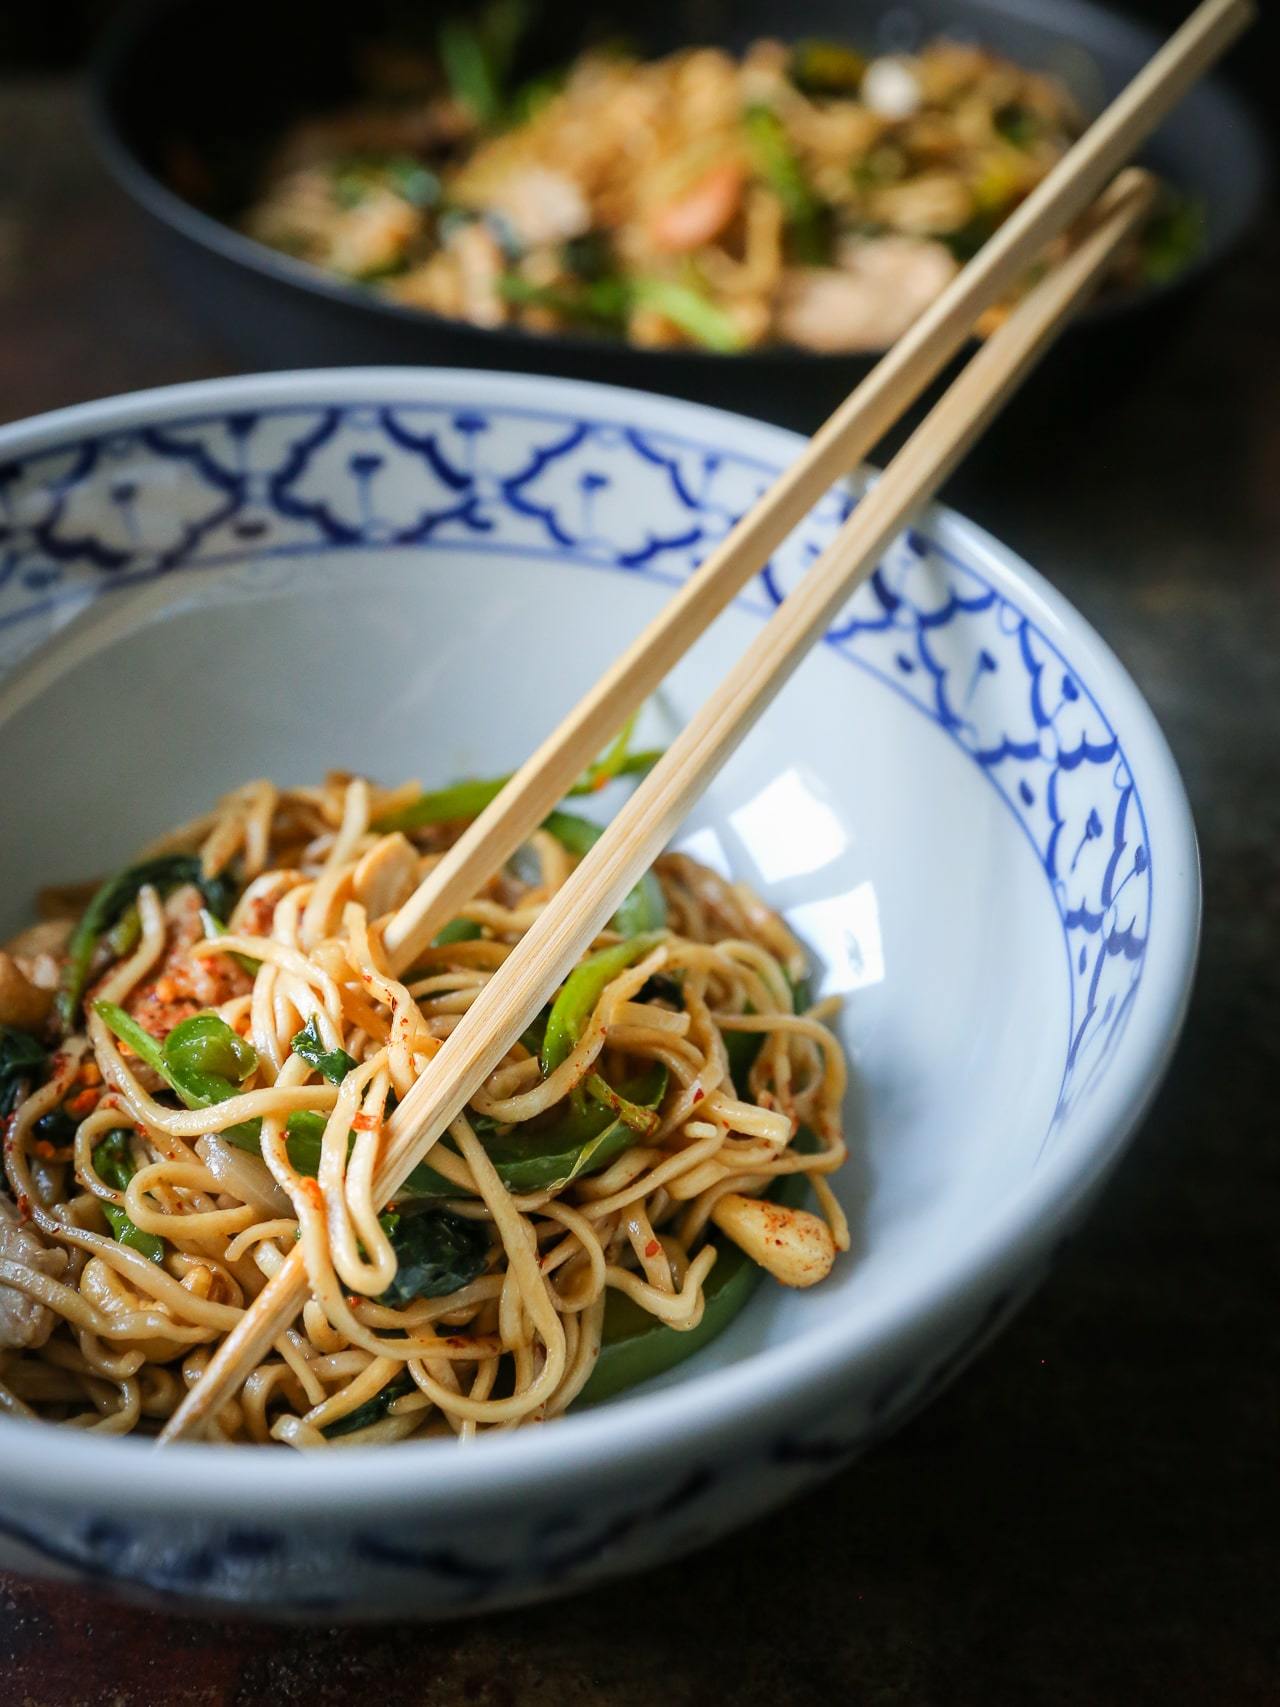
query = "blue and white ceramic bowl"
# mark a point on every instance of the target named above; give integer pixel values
(961, 802)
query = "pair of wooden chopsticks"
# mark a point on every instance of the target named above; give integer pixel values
(566, 927)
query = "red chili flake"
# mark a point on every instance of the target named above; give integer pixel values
(83, 1103)
(699, 1094)
(652, 1248)
(44, 1148)
(24, 1206)
(457, 1341)
(366, 1122)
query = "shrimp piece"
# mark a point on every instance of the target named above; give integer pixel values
(699, 214)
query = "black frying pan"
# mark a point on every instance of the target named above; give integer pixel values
(212, 86)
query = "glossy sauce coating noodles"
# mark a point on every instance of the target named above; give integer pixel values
(196, 1067)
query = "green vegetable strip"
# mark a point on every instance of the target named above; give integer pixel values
(127, 1029)
(590, 302)
(637, 1346)
(214, 928)
(580, 992)
(612, 760)
(113, 1162)
(581, 1140)
(641, 1120)
(690, 310)
(114, 899)
(206, 1046)
(468, 799)
(608, 301)
(477, 57)
(125, 934)
(643, 908)
(777, 164)
(457, 930)
(468, 70)
(196, 1039)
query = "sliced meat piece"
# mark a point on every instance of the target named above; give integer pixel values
(883, 284)
(24, 1322)
(184, 983)
(386, 876)
(541, 206)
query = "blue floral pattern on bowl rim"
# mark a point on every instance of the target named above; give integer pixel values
(292, 480)
(260, 486)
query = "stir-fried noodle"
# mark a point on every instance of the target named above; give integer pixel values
(198, 1073)
(799, 194)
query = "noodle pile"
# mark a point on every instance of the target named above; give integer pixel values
(801, 195)
(219, 1092)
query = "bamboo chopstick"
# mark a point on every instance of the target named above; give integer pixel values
(541, 960)
(837, 448)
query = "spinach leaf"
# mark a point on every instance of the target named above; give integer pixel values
(373, 1410)
(331, 1064)
(22, 1058)
(437, 1251)
(56, 1127)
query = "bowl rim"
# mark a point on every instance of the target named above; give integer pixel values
(175, 212)
(704, 1411)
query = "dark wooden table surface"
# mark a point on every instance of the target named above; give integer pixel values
(1090, 1514)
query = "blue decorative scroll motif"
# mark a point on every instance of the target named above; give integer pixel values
(200, 492)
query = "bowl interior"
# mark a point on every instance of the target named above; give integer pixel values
(416, 578)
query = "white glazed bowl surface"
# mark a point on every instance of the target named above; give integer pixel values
(961, 802)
